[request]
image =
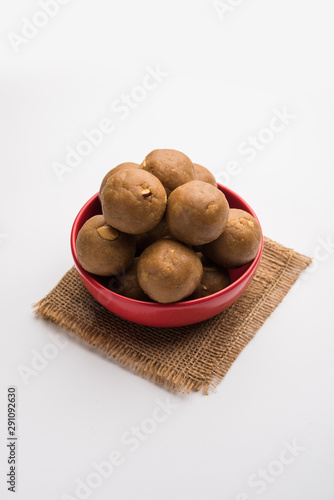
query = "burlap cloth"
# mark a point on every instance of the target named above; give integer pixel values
(185, 358)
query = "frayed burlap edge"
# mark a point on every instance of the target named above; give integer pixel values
(124, 354)
(165, 375)
(296, 263)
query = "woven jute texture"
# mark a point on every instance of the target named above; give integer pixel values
(186, 358)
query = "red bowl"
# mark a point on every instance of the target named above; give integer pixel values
(165, 315)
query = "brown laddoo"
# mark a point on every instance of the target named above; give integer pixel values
(213, 280)
(172, 167)
(127, 284)
(102, 249)
(157, 233)
(203, 174)
(238, 244)
(197, 213)
(168, 271)
(133, 201)
(113, 171)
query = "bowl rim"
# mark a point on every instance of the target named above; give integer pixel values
(174, 305)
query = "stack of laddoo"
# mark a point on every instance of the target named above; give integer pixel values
(166, 232)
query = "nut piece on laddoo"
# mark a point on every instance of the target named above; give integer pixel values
(172, 167)
(238, 244)
(203, 174)
(102, 249)
(127, 284)
(168, 271)
(122, 166)
(196, 213)
(133, 201)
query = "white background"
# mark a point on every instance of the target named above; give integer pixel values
(226, 75)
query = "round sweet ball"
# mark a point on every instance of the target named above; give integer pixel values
(127, 284)
(172, 167)
(113, 171)
(213, 280)
(238, 244)
(197, 213)
(133, 201)
(157, 233)
(168, 271)
(102, 249)
(203, 174)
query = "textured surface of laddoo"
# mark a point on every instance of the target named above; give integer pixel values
(157, 233)
(197, 213)
(127, 283)
(133, 201)
(172, 167)
(169, 271)
(122, 166)
(213, 280)
(203, 174)
(104, 250)
(238, 244)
